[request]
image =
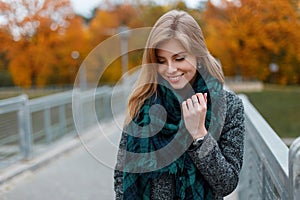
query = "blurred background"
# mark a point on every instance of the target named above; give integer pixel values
(43, 43)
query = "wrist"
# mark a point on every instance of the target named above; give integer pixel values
(198, 140)
(200, 135)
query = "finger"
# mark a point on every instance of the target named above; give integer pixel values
(201, 99)
(189, 103)
(184, 107)
(195, 100)
(196, 103)
(205, 97)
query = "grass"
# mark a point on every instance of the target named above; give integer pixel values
(280, 106)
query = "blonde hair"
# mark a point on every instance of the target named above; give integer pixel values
(177, 25)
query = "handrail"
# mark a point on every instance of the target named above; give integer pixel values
(271, 170)
(17, 107)
(12, 104)
(30, 127)
(294, 169)
(50, 101)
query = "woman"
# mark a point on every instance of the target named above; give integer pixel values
(183, 136)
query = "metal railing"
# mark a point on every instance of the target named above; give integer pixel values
(271, 170)
(31, 127)
(14, 129)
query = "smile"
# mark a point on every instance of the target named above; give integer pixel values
(175, 78)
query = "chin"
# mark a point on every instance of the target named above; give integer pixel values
(178, 86)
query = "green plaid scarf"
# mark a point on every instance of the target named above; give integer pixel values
(188, 182)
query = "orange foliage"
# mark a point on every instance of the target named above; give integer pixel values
(249, 36)
(45, 43)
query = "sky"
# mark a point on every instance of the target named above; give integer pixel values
(84, 7)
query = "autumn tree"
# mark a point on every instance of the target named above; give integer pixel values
(248, 35)
(69, 51)
(5, 38)
(5, 76)
(150, 12)
(106, 24)
(37, 55)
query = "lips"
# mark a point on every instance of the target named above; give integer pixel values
(174, 79)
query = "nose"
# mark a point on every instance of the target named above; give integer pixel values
(171, 68)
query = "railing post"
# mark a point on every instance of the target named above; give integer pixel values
(107, 105)
(62, 118)
(294, 170)
(47, 125)
(77, 111)
(24, 122)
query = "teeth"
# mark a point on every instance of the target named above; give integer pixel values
(174, 78)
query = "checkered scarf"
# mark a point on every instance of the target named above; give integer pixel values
(188, 182)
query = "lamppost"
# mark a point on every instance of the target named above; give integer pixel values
(124, 35)
(82, 73)
(273, 68)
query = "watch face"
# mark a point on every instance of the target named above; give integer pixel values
(197, 142)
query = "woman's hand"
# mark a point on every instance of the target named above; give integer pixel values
(194, 113)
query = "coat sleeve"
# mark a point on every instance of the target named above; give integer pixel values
(220, 161)
(118, 174)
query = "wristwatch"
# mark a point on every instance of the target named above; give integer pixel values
(198, 141)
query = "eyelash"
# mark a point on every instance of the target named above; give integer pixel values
(180, 59)
(160, 61)
(176, 59)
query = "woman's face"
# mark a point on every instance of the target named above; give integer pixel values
(175, 64)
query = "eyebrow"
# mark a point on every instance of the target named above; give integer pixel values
(174, 55)
(182, 52)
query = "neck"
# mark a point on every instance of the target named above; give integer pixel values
(187, 91)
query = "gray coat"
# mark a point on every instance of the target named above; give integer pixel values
(219, 161)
